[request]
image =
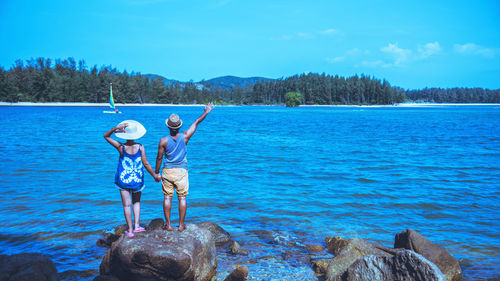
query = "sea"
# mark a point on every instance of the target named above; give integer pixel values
(277, 179)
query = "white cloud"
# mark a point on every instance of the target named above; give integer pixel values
(429, 49)
(388, 56)
(473, 49)
(307, 35)
(375, 63)
(335, 59)
(304, 35)
(329, 31)
(350, 54)
(400, 55)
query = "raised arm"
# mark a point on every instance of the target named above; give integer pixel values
(145, 162)
(194, 126)
(113, 142)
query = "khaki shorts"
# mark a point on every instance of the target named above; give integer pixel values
(175, 178)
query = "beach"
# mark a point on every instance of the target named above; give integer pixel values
(82, 104)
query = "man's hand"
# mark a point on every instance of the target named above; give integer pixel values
(157, 177)
(209, 107)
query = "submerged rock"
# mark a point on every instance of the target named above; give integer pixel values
(315, 248)
(27, 267)
(405, 265)
(412, 240)
(163, 255)
(235, 248)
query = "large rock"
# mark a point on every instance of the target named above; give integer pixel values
(27, 267)
(221, 236)
(347, 252)
(405, 265)
(163, 255)
(412, 240)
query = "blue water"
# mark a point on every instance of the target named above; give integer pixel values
(276, 178)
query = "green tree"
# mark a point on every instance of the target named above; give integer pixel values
(293, 99)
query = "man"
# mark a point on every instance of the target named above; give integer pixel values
(175, 171)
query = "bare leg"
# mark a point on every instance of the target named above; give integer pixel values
(136, 200)
(167, 206)
(126, 202)
(182, 212)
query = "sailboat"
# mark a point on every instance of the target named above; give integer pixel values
(111, 101)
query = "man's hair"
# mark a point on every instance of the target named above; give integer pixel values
(173, 131)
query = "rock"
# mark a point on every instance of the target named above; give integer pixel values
(412, 240)
(155, 224)
(105, 278)
(27, 267)
(347, 252)
(335, 244)
(109, 238)
(315, 248)
(163, 255)
(221, 236)
(320, 267)
(77, 274)
(405, 265)
(235, 248)
(119, 230)
(239, 274)
(102, 243)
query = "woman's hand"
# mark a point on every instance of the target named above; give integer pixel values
(121, 128)
(157, 177)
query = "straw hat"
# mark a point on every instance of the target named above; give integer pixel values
(174, 122)
(133, 131)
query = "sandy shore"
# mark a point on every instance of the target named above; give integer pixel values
(89, 104)
(152, 104)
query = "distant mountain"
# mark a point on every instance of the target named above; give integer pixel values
(225, 82)
(228, 82)
(167, 82)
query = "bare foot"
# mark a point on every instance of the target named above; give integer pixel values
(181, 227)
(168, 227)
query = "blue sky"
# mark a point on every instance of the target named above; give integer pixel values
(412, 44)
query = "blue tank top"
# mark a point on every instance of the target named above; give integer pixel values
(130, 174)
(176, 153)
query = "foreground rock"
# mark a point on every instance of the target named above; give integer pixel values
(347, 252)
(412, 240)
(405, 265)
(162, 255)
(412, 258)
(27, 267)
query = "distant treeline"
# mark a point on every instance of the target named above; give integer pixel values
(454, 95)
(42, 80)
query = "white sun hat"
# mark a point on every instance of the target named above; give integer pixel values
(133, 131)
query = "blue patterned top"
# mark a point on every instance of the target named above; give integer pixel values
(130, 174)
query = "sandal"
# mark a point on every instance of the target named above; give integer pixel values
(129, 234)
(139, 229)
